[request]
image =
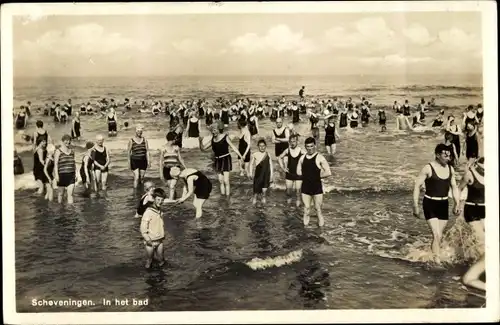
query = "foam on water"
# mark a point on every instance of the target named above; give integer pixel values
(261, 264)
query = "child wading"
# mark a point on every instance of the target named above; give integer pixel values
(152, 229)
(263, 175)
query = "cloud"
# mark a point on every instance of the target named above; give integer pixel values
(455, 39)
(418, 34)
(366, 34)
(189, 46)
(280, 39)
(393, 60)
(86, 39)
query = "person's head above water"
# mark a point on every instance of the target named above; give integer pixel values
(310, 145)
(175, 172)
(39, 124)
(148, 185)
(66, 139)
(99, 139)
(442, 153)
(138, 130)
(171, 136)
(159, 192)
(89, 145)
(279, 122)
(293, 141)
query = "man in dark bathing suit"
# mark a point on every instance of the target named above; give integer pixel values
(438, 177)
(312, 167)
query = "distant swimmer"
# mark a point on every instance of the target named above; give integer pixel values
(155, 109)
(195, 183)
(192, 130)
(90, 109)
(253, 125)
(301, 92)
(146, 199)
(68, 107)
(406, 108)
(76, 127)
(263, 173)
(48, 170)
(21, 119)
(396, 107)
(331, 136)
(280, 137)
(178, 129)
(101, 161)
(365, 114)
(86, 169)
(40, 135)
(112, 122)
(439, 120)
(416, 121)
(479, 113)
(39, 159)
(352, 118)
(422, 109)
(244, 145)
(438, 177)
(471, 143)
(402, 122)
(470, 117)
(223, 165)
(288, 162)
(455, 131)
(312, 167)
(18, 164)
(224, 116)
(474, 208)
(62, 114)
(138, 154)
(314, 120)
(343, 117)
(65, 169)
(46, 110)
(152, 229)
(170, 157)
(448, 142)
(382, 120)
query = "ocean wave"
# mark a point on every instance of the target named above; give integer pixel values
(417, 88)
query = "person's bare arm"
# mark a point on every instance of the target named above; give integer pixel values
(56, 165)
(455, 192)
(233, 147)
(190, 188)
(299, 165)
(281, 161)
(161, 165)
(419, 182)
(146, 219)
(45, 171)
(205, 147)
(148, 155)
(248, 139)
(107, 158)
(40, 156)
(325, 168)
(252, 163)
(272, 169)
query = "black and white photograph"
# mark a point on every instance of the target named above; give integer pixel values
(274, 162)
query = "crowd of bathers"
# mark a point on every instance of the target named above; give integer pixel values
(305, 168)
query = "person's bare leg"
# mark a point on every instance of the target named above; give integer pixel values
(159, 255)
(142, 173)
(97, 180)
(334, 148)
(289, 190)
(435, 226)
(198, 205)
(264, 191)
(222, 185)
(40, 186)
(171, 186)
(104, 180)
(471, 277)
(60, 194)
(226, 183)
(307, 208)
(478, 229)
(150, 253)
(318, 202)
(298, 186)
(136, 178)
(70, 189)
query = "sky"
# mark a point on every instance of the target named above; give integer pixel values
(248, 44)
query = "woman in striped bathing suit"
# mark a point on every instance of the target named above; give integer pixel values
(138, 152)
(65, 169)
(170, 157)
